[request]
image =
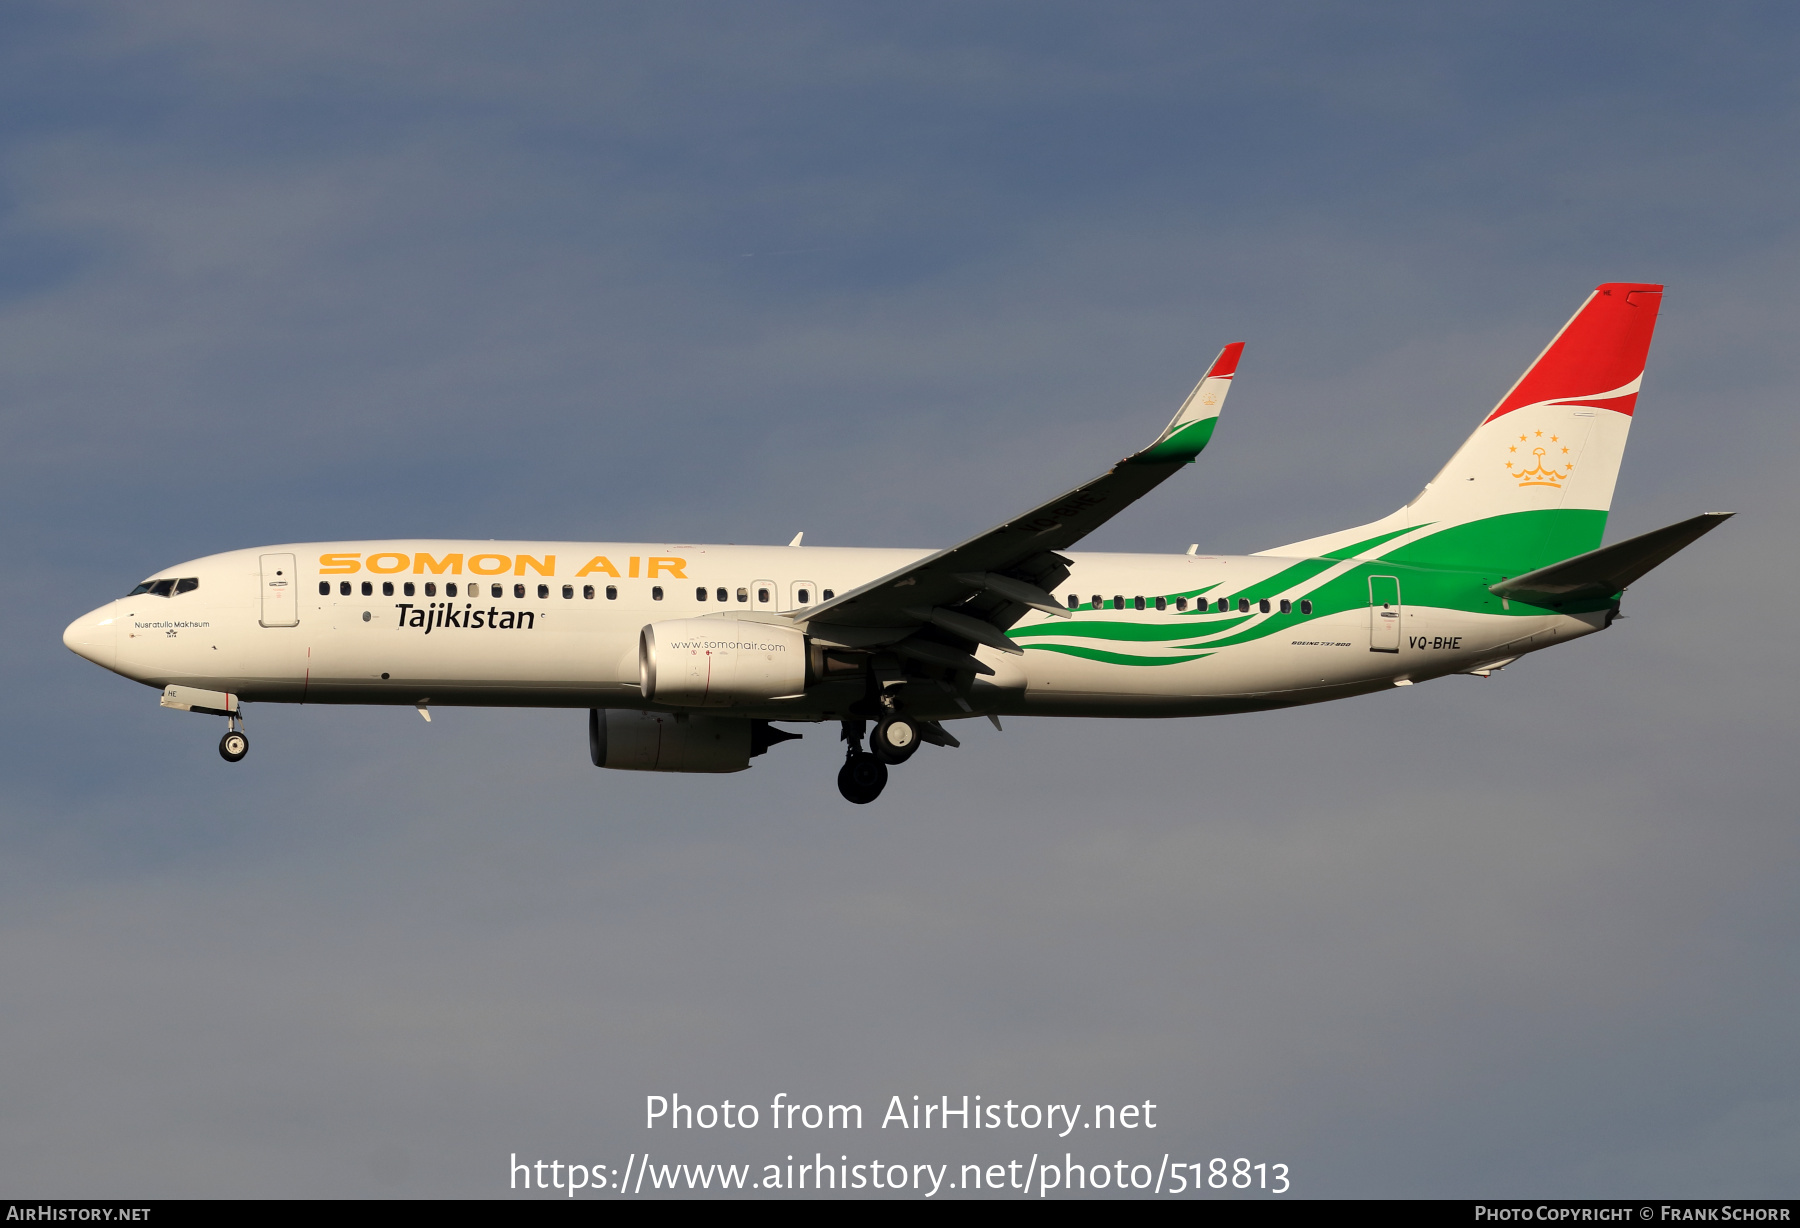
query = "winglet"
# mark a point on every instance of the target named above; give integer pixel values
(1192, 426)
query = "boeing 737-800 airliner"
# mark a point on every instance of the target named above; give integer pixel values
(683, 655)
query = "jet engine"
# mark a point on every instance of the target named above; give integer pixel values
(665, 742)
(720, 662)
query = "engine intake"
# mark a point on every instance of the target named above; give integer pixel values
(720, 662)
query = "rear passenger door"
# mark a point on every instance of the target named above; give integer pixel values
(1384, 614)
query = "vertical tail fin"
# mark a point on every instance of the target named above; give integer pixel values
(1534, 483)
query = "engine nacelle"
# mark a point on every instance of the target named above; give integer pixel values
(720, 662)
(659, 742)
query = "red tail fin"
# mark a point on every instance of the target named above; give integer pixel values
(1598, 357)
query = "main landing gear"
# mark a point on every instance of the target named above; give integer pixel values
(895, 739)
(863, 776)
(234, 745)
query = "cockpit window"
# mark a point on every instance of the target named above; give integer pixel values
(165, 588)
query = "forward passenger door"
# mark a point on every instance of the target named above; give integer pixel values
(280, 593)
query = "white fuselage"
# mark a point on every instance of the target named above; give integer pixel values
(522, 629)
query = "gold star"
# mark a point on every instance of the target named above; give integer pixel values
(1521, 439)
(1540, 434)
(1512, 449)
(1565, 451)
(1552, 439)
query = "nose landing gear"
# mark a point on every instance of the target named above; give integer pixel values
(234, 745)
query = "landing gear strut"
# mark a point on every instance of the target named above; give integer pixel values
(863, 776)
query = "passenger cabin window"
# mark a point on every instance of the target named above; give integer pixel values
(324, 588)
(587, 592)
(387, 588)
(723, 595)
(1074, 602)
(762, 594)
(612, 592)
(700, 594)
(568, 592)
(519, 590)
(1243, 605)
(1306, 607)
(368, 589)
(408, 588)
(430, 588)
(827, 594)
(656, 592)
(343, 588)
(1162, 603)
(543, 591)
(743, 594)
(803, 597)
(1118, 602)
(449, 589)
(189, 585)
(1263, 605)
(1287, 607)
(1099, 602)
(1181, 603)
(496, 590)
(1137, 603)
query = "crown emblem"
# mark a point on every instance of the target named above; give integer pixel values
(1549, 467)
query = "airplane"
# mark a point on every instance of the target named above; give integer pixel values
(686, 655)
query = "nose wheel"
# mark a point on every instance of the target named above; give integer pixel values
(233, 746)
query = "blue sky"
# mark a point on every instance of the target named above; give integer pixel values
(888, 274)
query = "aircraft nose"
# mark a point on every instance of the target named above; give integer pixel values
(95, 636)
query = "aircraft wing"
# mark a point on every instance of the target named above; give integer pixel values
(974, 590)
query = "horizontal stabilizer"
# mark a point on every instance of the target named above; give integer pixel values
(1603, 572)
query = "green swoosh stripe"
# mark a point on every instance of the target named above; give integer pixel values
(1123, 630)
(1114, 658)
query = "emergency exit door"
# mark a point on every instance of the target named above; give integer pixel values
(1384, 614)
(280, 594)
